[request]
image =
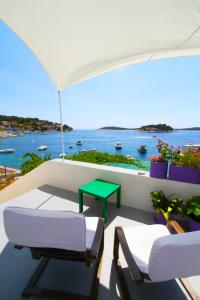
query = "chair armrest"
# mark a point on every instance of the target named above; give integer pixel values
(174, 226)
(121, 239)
(98, 238)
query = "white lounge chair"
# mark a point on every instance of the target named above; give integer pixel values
(59, 235)
(153, 254)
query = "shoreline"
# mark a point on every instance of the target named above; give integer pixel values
(7, 135)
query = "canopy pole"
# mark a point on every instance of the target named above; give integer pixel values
(61, 126)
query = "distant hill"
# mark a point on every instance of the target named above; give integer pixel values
(156, 128)
(115, 128)
(32, 124)
(191, 128)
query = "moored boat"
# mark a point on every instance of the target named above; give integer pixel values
(62, 155)
(7, 150)
(195, 148)
(130, 157)
(142, 149)
(92, 150)
(79, 143)
(42, 148)
(118, 145)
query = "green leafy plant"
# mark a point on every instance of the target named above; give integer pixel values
(166, 205)
(105, 158)
(193, 208)
(189, 159)
(33, 161)
(164, 150)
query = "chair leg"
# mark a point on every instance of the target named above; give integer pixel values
(97, 272)
(122, 282)
(35, 277)
(189, 289)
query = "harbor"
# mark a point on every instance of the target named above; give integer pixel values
(96, 140)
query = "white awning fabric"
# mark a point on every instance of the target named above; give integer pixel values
(78, 39)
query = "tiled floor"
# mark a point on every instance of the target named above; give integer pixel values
(16, 266)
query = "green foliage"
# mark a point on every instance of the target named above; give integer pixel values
(164, 150)
(193, 207)
(33, 161)
(166, 204)
(189, 159)
(32, 123)
(156, 127)
(105, 158)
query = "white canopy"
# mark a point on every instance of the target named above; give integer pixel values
(78, 39)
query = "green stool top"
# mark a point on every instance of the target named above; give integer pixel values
(100, 188)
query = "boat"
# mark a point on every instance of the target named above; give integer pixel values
(142, 149)
(62, 155)
(194, 148)
(44, 133)
(79, 143)
(7, 150)
(130, 157)
(84, 150)
(118, 145)
(42, 148)
(70, 147)
(92, 150)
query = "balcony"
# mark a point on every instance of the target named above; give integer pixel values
(53, 186)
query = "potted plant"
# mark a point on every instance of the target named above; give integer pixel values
(166, 207)
(185, 167)
(193, 213)
(159, 163)
(177, 212)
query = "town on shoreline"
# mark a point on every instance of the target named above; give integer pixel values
(11, 126)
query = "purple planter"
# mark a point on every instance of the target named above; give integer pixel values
(193, 225)
(160, 219)
(158, 169)
(184, 174)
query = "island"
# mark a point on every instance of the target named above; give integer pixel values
(156, 128)
(21, 124)
(115, 128)
(190, 128)
(145, 128)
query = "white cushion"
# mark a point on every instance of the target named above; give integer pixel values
(175, 256)
(91, 226)
(33, 199)
(140, 240)
(50, 229)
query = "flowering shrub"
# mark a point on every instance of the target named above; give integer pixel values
(189, 159)
(157, 158)
(164, 150)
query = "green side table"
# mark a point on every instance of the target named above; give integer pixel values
(101, 190)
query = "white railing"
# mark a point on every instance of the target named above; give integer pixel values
(70, 175)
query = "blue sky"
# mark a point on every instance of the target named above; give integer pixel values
(166, 91)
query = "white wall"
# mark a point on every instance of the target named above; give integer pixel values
(70, 175)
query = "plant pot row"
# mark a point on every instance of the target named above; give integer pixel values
(192, 224)
(177, 173)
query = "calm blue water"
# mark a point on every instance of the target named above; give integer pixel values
(102, 140)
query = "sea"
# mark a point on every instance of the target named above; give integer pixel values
(102, 140)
